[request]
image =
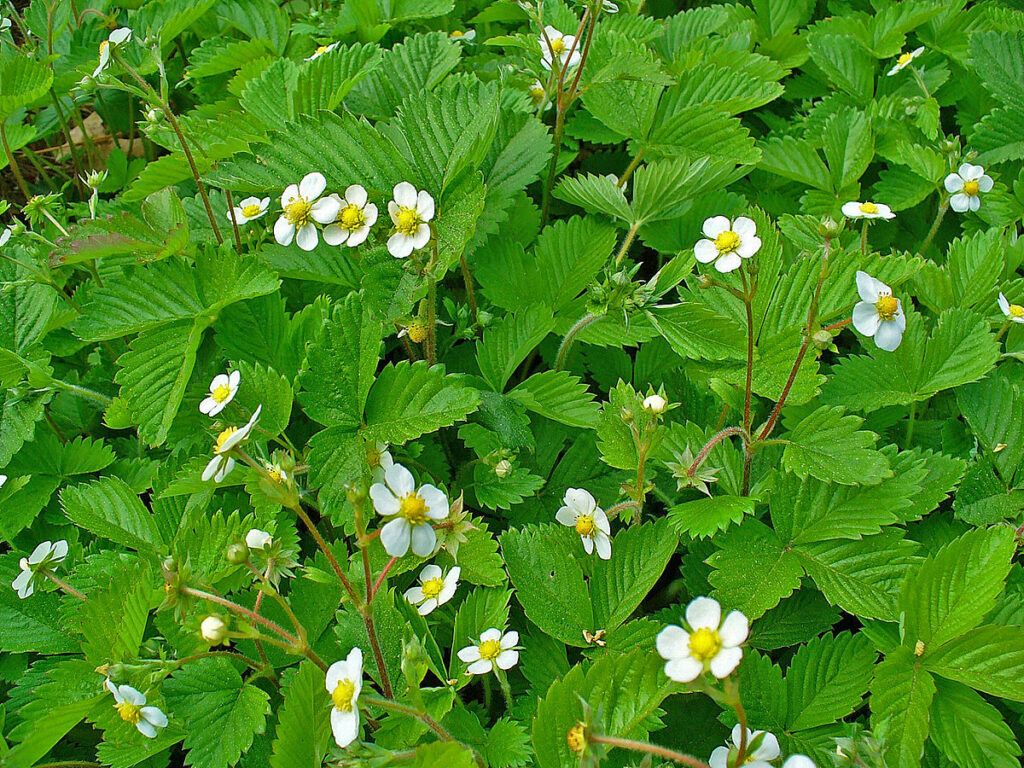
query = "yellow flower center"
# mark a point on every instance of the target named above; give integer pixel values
(321, 49)
(298, 212)
(905, 59)
(705, 644)
(490, 649)
(576, 739)
(970, 188)
(558, 46)
(417, 332)
(276, 473)
(868, 208)
(727, 242)
(1016, 310)
(887, 306)
(585, 525)
(414, 509)
(103, 46)
(221, 393)
(408, 221)
(343, 694)
(223, 436)
(351, 218)
(253, 209)
(130, 713)
(537, 94)
(458, 33)
(432, 587)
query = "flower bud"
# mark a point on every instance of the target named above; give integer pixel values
(656, 404)
(117, 673)
(948, 146)
(626, 415)
(829, 228)
(257, 539)
(822, 339)
(502, 468)
(237, 554)
(214, 630)
(169, 565)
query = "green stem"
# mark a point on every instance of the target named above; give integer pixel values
(14, 165)
(553, 170)
(626, 243)
(910, 425)
(506, 689)
(651, 749)
(74, 389)
(943, 207)
(570, 337)
(431, 320)
(920, 81)
(234, 224)
(630, 168)
(864, 238)
(1003, 330)
(228, 654)
(467, 279)
(727, 432)
(65, 586)
(748, 296)
(393, 706)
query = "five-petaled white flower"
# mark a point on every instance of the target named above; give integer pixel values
(855, 210)
(222, 391)
(131, 706)
(248, 209)
(726, 243)
(710, 644)
(539, 95)
(554, 46)
(590, 521)
(344, 681)
(413, 511)
(464, 37)
(321, 50)
(117, 37)
(221, 463)
(905, 60)
(435, 588)
(879, 313)
(1013, 312)
(257, 539)
(494, 651)
(354, 220)
(303, 206)
(46, 555)
(765, 749)
(965, 187)
(410, 211)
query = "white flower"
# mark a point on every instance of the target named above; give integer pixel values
(222, 391)
(466, 37)
(321, 50)
(495, 651)
(277, 474)
(710, 644)
(213, 630)
(118, 36)
(556, 46)
(591, 523)
(344, 681)
(727, 242)
(221, 464)
(759, 757)
(131, 706)
(410, 211)
(799, 761)
(303, 206)
(413, 511)
(855, 210)
(257, 539)
(44, 557)
(1014, 312)
(355, 217)
(539, 96)
(878, 313)
(436, 588)
(965, 186)
(656, 404)
(248, 209)
(905, 60)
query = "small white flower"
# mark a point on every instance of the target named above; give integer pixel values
(855, 210)
(436, 588)
(321, 50)
(465, 37)
(131, 706)
(221, 464)
(539, 96)
(213, 630)
(799, 761)
(355, 217)
(413, 511)
(257, 539)
(878, 313)
(44, 557)
(760, 757)
(222, 391)
(248, 209)
(303, 206)
(494, 651)
(276, 472)
(117, 37)
(344, 682)
(1013, 312)
(656, 404)
(710, 644)
(726, 243)
(965, 187)
(905, 60)
(591, 523)
(410, 211)
(554, 46)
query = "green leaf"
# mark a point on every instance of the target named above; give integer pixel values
(113, 619)
(448, 754)
(509, 341)
(595, 194)
(901, 696)
(955, 587)
(698, 333)
(223, 712)
(481, 610)
(30, 626)
(508, 744)
(752, 571)
(827, 679)
(829, 446)
(796, 160)
(849, 147)
(999, 59)
(705, 517)
(846, 64)
(22, 82)
(326, 80)
(994, 409)
(559, 396)
(969, 730)
(988, 658)
(304, 725)
(110, 509)
(409, 400)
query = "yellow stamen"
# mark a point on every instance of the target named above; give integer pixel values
(727, 242)
(490, 649)
(905, 59)
(298, 212)
(321, 49)
(458, 33)
(407, 221)
(221, 393)
(558, 46)
(537, 94)
(585, 525)
(705, 644)
(868, 208)
(1016, 310)
(351, 218)
(343, 694)
(970, 188)
(103, 46)
(417, 332)
(887, 306)
(414, 509)
(130, 713)
(222, 438)
(253, 209)
(576, 738)
(432, 587)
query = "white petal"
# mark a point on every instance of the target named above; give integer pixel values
(422, 236)
(601, 521)
(1004, 305)
(579, 500)
(132, 696)
(566, 516)
(705, 251)
(469, 654)
(414, 595)
(683, 670)
(284, 231)
(337, 672)
(290, 195)
(355, 664)
(405, 195)
(868, 288)
(728, 262)
(604, 545)
(430, 572)
(395, 537)
(719, 758)
(481, 667)
(358, 237)
(370, 212)
(974, 203)
(312, 186)
(21, 584)
(744, 227)
(393, 211)
(425, 205)
(985, 184)
(971, 172)
(306, 238)
(120, 35)
(865, 318)
(427, 606)
(335, 234)
(400, 246)
(146, 728)
(888, 336)
(725, 662)
(588, 544)
(798, 761)
(704, 612)
(344, 726)
(852, 209)
(748, 247)
(715, 226)
(734, 629)
(384, 500)
(510, 640)
(60, 551)
(953, 182)
(507, 659)
(155, 716)
(400, 480)
(673, 642)
(40, 553)
(769, 749)
(490, 634)
(423, 540)
(437, 501)
(220, 380)
(224, 470)
(356, 195)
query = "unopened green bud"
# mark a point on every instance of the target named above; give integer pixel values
(829, 228)
(237, 553)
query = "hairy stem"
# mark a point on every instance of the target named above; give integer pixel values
(570, 337)
(630, 168)
(715, 440)
(467, 279)
(22, 184)
(943, 207)
(748, 297)
(65, 586)
(234, 222)
(431, 320)
(651, 749)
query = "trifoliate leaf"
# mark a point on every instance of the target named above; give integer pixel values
(901, 697)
